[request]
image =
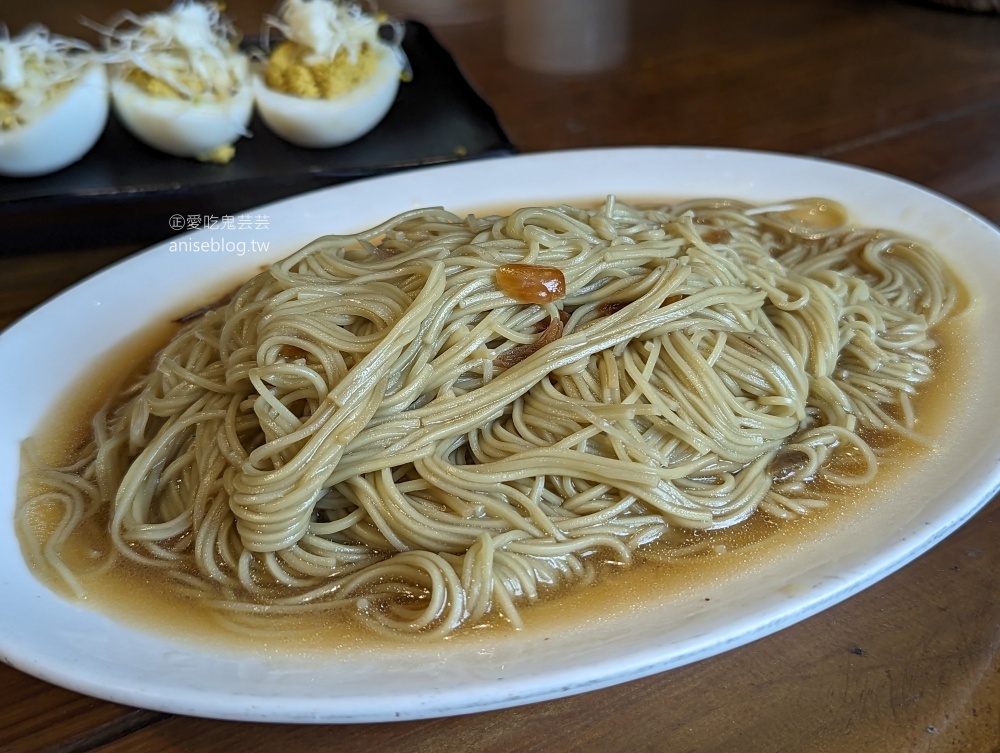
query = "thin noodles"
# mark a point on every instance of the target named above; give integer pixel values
(380, 424)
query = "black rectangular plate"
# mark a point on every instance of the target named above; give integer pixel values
(124, 192)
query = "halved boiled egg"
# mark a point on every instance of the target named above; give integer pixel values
(333, 78)
(53, 102)
(179, 83)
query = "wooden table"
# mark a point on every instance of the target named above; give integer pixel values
(909, 664)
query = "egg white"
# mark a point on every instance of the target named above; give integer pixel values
(61, 131)
(180, 127)
(323, 123)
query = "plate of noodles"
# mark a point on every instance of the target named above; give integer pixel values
(485, 434)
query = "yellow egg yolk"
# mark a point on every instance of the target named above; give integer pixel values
(288, 72)
(157, 87)
(8, 104)
(10, 118)
(220, 155)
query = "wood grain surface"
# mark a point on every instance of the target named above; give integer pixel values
(910, 664)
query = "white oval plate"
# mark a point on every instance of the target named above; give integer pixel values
(72, 646)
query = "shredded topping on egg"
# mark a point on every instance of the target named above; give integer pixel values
(329, 47)
(188, 51)
(34, 66)
(325, 27)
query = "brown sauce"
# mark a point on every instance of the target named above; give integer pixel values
(135, 594)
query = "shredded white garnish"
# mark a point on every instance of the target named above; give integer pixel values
(326, 27)
(191, 47)
(34, 63)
